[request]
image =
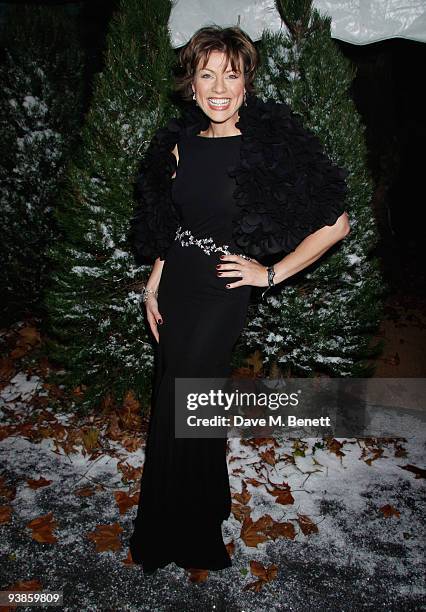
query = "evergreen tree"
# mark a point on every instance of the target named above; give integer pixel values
(319, 320)
(40, 103)
(97, 324)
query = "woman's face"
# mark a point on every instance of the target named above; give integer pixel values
(219, 90)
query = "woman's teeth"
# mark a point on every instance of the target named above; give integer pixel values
(219, 102)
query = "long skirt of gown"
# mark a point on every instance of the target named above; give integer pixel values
(185, 493)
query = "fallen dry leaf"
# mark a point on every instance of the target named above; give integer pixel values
(5, 514)
(90, 438)
(37, 484)
(239, 470)
(264, 575)
(261, 441)
(85, 492)
(254, 482)
(268, 456)
(240, 511)
(113, 431)
(26, 585)
(42, 528)
(255, 586)
(125, 501)
(106, 537)
(377, 454)
(281, 492)
(29, 337)
(130, 472)
(252, 533)
(130, 412)
(299, 447)
(79, 390)
(197, 575)
(21, 585)
(107, 403)
(230, 547)
(281, 530)
(243, 497)
(131, 443)
(259, 570)
(6, 431)
(334, 446)
(389, 511)
(306, 524)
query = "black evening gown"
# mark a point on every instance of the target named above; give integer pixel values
(185, 493)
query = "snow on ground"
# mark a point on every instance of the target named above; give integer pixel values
(359, 559)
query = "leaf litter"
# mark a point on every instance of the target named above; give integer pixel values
(336, 524)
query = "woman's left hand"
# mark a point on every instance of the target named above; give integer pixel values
(251, 271)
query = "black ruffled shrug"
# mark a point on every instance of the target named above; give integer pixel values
(286, 186)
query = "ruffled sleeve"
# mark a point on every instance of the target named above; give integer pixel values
(319, 186)
(155, 220)
(296, 191)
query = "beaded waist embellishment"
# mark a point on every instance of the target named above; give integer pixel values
(206, 244)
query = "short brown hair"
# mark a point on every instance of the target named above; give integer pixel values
(232, 41)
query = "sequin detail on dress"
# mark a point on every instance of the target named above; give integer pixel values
(206, 244)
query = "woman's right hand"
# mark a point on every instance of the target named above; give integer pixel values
(154, 317)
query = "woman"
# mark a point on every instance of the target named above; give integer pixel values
(232, 182)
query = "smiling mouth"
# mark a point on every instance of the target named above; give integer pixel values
(219, 103)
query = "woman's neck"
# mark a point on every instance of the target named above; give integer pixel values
(219, 130)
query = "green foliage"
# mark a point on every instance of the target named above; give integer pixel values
(96, 323)
(40, 104)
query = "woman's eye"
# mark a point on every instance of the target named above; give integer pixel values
(235, 76)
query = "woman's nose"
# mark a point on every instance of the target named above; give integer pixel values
(219, 86)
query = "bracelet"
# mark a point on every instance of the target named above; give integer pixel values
(271, 274)
(147, 292)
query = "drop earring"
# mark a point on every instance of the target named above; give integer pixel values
(194, 97)
(245, 99)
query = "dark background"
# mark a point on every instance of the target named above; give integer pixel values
(392, 105)
(389, 98)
